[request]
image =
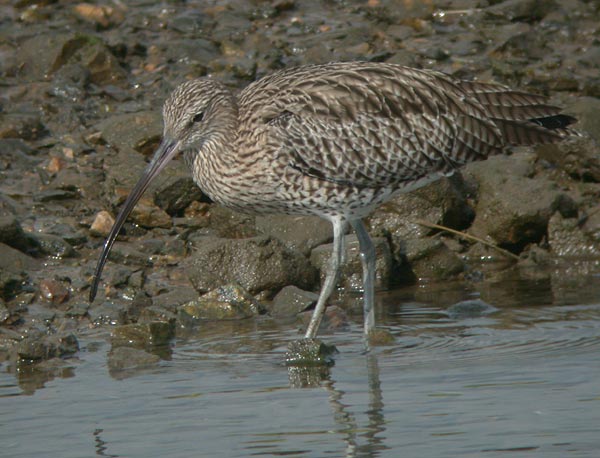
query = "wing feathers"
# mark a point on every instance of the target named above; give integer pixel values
(373, 125)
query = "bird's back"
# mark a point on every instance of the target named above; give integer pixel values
(372, 124)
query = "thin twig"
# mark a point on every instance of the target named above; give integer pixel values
(468, 237)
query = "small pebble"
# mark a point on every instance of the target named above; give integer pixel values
(102, 224)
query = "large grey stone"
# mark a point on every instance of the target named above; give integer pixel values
(257, 264)
(291, 301)
(427, 259)
(512, 209)
(302, 233)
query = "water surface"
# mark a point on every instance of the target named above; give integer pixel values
(521, 381)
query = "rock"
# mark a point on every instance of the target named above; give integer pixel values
(4, 313)
(427, 259)
(17, 155)
(197, 52)
(102, 224)
(44, 54)
(78, 310)
(156, 313)
(189, 22)
(309, 352)
(126, 358)
(473, 308)
(479, 253)
(257, 264)
(103, 67)
(54, 246)
(176, 190)
(150, 216)
(143, 335)
(13, 235)
(442, 202)
(39, 54)
(300, 233)
(567, 239)
(55, 165)
(585, 109)
(591, 227)
(71, 82)
(351, 276)
(104, 16)
(13, 265)
(174, 298)
(125, 253)
(66, 232)
(578, 156)
(51, 195)
(291, 301)
(107, 313)
(521, 10)
(131, 132)
(235, 295)
(131, 135)
(230, 302)
(26, 126)
(119, 276)
(230, 224)
(231, 24)
(505, 211)
(536, 257)
(54, 291)
(40, 347)
(33, 349)
(334, 319)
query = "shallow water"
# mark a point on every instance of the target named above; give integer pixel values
(521, 381)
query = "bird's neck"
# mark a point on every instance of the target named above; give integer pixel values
(216, 158)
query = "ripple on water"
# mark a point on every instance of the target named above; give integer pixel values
(542, 331)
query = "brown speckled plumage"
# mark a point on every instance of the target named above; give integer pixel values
(336, 140)
(332, 139)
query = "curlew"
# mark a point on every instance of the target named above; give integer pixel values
(336, 140)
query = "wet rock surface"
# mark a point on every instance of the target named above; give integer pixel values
(291, 301)
(230, 302)
(259, 264)
(83, 85)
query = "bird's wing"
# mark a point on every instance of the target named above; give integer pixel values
(376, 125)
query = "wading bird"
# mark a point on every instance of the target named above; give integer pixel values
(336, 140)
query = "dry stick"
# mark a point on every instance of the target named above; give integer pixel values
(391, 207)
(468, 237)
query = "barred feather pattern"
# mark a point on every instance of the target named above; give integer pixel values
(340, 138)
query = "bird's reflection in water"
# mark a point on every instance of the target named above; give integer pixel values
(320, 376)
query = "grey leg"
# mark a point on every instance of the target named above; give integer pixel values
(367, 255)
(339, 227)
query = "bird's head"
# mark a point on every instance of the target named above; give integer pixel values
(196, 112)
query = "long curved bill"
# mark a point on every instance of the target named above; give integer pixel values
(165, 152)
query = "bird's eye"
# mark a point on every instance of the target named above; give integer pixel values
(198, 117)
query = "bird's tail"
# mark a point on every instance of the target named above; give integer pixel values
(523, 118)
